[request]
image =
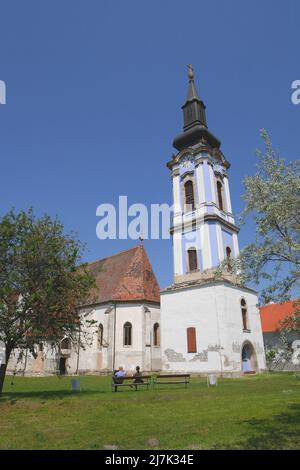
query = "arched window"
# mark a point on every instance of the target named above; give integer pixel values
(220, 195)
(100, 336)
(65, 344)
(156, 334)
(228, 257)
(192, 259)
(191, 340)
(244, 314)
(127, 334)
(189, 195)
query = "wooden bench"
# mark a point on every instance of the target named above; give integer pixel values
(129, 382)
(172, 379)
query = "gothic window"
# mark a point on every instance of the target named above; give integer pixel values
(244, 311)
(156, 334)
(127, 334)
(189, 195)
(220, 195)
(100, 336)
(65, 344)
(192, 259)
(191, 340)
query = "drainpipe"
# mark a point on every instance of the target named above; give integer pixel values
(218, 330)
(147, 323)
(114, 347)
(151, 352)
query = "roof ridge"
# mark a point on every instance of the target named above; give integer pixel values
(127, 275)
(280, 303)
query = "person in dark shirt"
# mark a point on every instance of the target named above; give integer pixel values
(137, 376)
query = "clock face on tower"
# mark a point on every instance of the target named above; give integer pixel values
(186, 162)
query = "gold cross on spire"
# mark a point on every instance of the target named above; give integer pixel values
(190, 72)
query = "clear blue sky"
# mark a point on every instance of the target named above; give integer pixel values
(94, 90)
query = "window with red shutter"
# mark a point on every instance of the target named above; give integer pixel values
(191, 340)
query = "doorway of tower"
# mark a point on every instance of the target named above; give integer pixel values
(62, 366)
(249, 360)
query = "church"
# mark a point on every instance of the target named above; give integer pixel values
(202, 323)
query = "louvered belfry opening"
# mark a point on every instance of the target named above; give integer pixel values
(220, 195)
(192, 258)
(189, 195)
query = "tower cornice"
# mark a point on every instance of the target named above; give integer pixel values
(212, 154)
(194, 222)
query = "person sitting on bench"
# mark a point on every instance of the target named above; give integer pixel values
(119, 375)
(137, 376)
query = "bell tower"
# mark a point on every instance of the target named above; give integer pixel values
(204, 231)
(209, 323)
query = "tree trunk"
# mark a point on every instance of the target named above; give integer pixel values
(3, 368)
(25, 362)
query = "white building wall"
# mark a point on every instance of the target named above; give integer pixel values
(100, 359)
(200, 184)
(227, 195)
(177, 253)
(176, 194)
(142, 352)
(215, 312)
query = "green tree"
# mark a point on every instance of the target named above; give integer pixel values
(272, 199)
(42, 283)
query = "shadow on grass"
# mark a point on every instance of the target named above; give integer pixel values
(53, 394)
(48, 394)
(281, 432)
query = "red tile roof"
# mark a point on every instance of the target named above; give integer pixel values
(125, 276)
(271, 315)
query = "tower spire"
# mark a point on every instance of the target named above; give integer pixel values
(192, 90)
(194, 118)
(193, 108)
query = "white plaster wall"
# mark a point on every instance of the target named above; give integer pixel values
(212, 184)
(205, 240)
(235, 244)
(91, 357)
(200, 184)
(142, 352)
(177, 253)
(227, 195)
(95, 359)
(176, 194)
(214, 310)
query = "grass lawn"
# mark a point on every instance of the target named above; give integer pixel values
(259, 412)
